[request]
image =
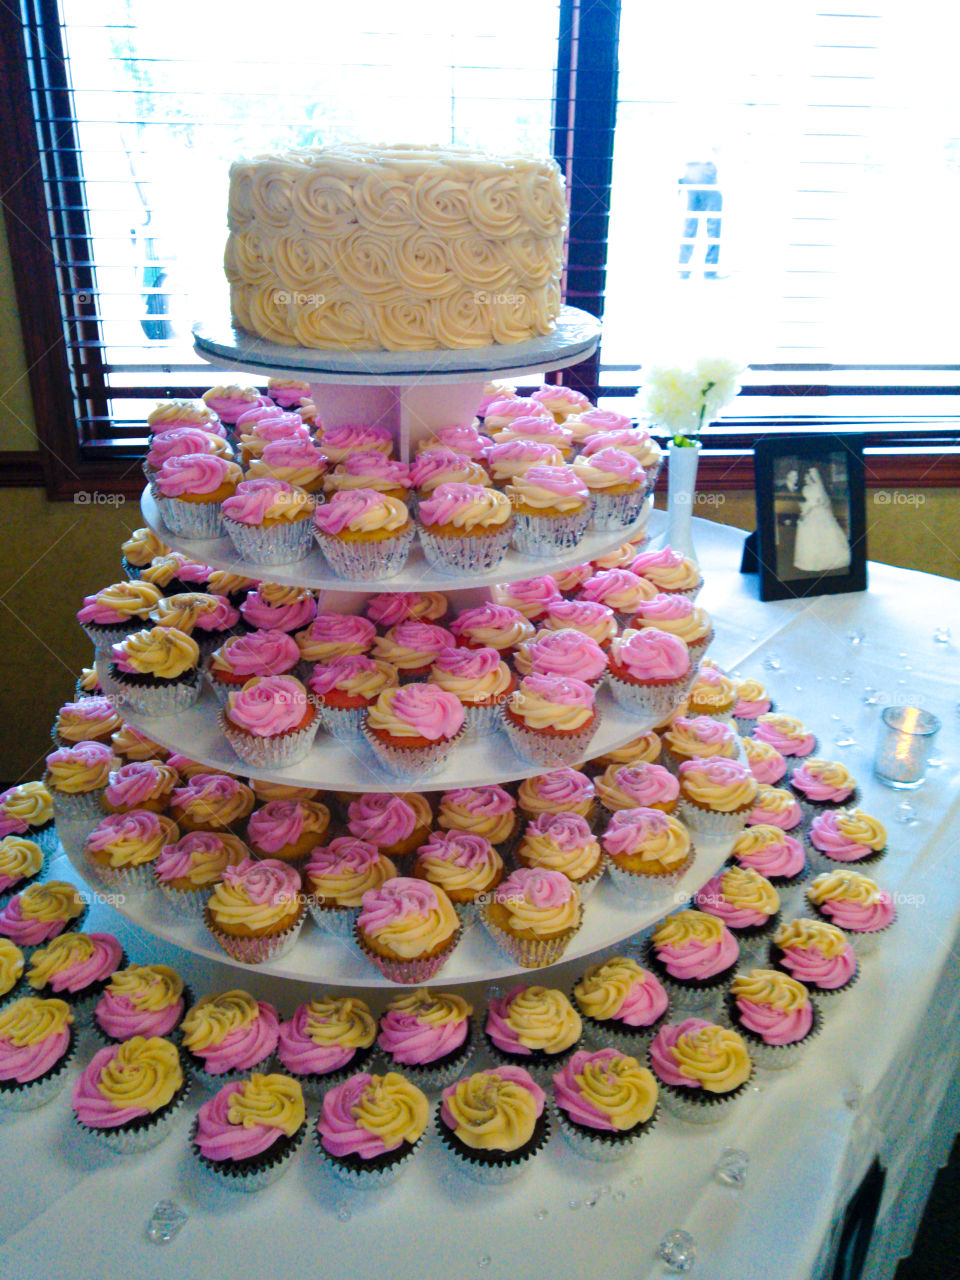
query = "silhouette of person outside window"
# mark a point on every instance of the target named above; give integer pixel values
(704, 207)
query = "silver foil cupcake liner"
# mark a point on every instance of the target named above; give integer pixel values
(636, 1042)
(80, 693)
(336, 921)
(647, 888)
(48, 840)
(429, 1077)
(131, 571)
(705, 1002)
(128, 878)
(156, 701)
(709, 823)
(220, 691)
(656, 700)
(617, 511)
(411, 762)
(69, 806)
(276, 544)
(185, 904)
(103, 637)
(211, 1081)
(270, 753)
(226, 1173)
(37, 1093)
(258, 950)
(778, 1057)
(481, 721)
(794, 762)
(604, 1151)
(545, 749)
(343, 722)
(365, 1179)
(820, 861)
(126, 1141)
(195, 521)
(513, 1165)
(366, 561)
(408, 972)
(700, 1107)
(474, 553)
(541, 536)
(530, 953)
(812, 808)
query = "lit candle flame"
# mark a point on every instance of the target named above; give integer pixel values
(911, 718)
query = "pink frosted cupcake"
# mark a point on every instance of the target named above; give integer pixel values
(288, 830)
(412, 729)
(296, 462)
(270, 722)
(156, 672)
(531, 597)
(694, 955)
(563, 653)
(208, 801)
(42, 912)
(622, 1004)
(773, 853)
(228, 1034)
(364, 535)
(605, 1102)
(618, 485)
(258, 653)
(89, 720)
(345, 687)
(846, 837)
(109, 615)
(339, 442)
(141, 784)
(649, 672)
(748, 905)
(766, 763)
(648, 852)
(669, 572)
(407, 929)
(587, 616)
(256, 434)
(229, 402)
(141, 1000)
(752, 701)
(563, 842)
(620, 590)
(817, 954)
(246, 1135)
(589, 423)
(501, 411)
(395, 824)
(428, 1035)
(490, 812)
(180, 441)
(370, 1127)
(539, 431)
(533, 1027)
(268, 520)
(570, 579)
(190, 491)
(638, 786)
(187, 869)
(37, 1047)
(787, 735)
(460, 438)
(271, 607)
(287, 392)
(494, 626)
(680, 617)
(465, 527)
(27, 810)
(337, 877)
(411, 647)
(697, 738)
(466, 867)
(325, 1039)
(824, 786)
(551, 510)
(76, 777)
(388, 608)
(775, 1016)
(551, 719)
(445, 466)
(533, 915)
(716, 796)
(334, 635)
(174, 573)
(123, 847)
(558, 791)
(701, 1069)
(74, 967)
(171, 415)
(561, 402)
(712, 693)
(854, 903)
(129, 1096)
(255, 912)
(370, 471)
(775, 807)
(514, 458)
(482, 682)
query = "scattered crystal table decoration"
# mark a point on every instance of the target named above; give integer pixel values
(942, 635)
(906, 814)
(678, 1250)
(772, 662)
(904, 742)
(731, 1169)
(165, 1222)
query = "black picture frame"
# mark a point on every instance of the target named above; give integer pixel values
(811, 499)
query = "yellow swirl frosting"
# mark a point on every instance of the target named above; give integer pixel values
(11, 965)
(544, 1020)
(533, 802)
(727, 797)
(528, 496)
(490, 1113)
(750, 690)
(825, 938)
(601, 991)
(537, 711)
(19, 858)
(133, 745)
(150, 987)
(231, 908)
(129, 599)
(182, 611)
(683, 741)
(774, 800)
(770, 987)
(757, 752)
(30, 1020)
(214, 1017)
(642, 750)
(73, 777)
(144, 1072)
(495, 827)
(277, 596)
(539, 850)
(164, 652)
(346, 887)
(455, 879)
(54, 900)
(716, 1057)
(135, 849)
(475, 689)
(142, 546)
(222, 583)
(187, 412)
(527, 920)
(845, 885)
(273, 1100)
(663, 850)
(30, 802)
(860, 828)
(688, 926)
(623, 1090)
(393, 1109)
(415, 935)
(436, 1008)
(832, 772)
(745, 887)
(487, 508)
(388, 515)
(59, 953)
(345, 1021)
(712, 696)
(370, 684)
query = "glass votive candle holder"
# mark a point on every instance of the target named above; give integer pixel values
(906, 736)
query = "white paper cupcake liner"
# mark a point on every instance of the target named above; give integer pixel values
(475, 553)
(656, 700)
(195, 521)
(342, 722)
(710, 824)
(545, 749)
(366, 561)
(270, 753)
(256, 950)
(409, 972)
(617, 511)
(541, 536)
(337, 921)
(531, 953)
(604, 1151)
(37, 1093)
(276, 544)
(126, 1141)
(411, 762)
(643, 888)
(365, 1179)
(175, 696)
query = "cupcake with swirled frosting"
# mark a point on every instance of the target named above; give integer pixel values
(592, 618)
(112, 613)
(41, 912)
(131, 744)
(533, 1027)
(753, 700)
(460, 437)
(288, 830)
(669, 571)
(638, 786)
(846, 837)
(443, 465)
(367, 470)
(618, 485)
(207, 618)
(170, 415)
(37, 1047)
(411, 646)
(532, 916)
(824, 786)
(180, 441)
(649, 672)
(370, 1126)
(563, 842)
(27, 810)
(550, 720)
(817, 954)
(210, 802)
(772, 852)
(775, 1016)
(396, 824)
(620, 590)
(539, 430)
(387, 608)
(129, 1095)
(786, 734)
(190, 490)
(465, 866)
(775, 807)
(411, 729)
(123, 847)
(407, 928)
(335, 635)
(512, 458)
(558, 791)
(258, 653)
(716, 796)
(765, 762)
(494, 1122)
(648, 851)
(634, 440)
(622, 1004)
(74, 967)
(336, 878)
(645, 749)
(480, 679)
(694, 955)
(270, 722)
(561, 402)
(712, 694)
(530, 596)
(552, 508)
(89, 720)
(296, 462)
(854, 903)
(256, 910)
(140, 784)
(747, 904)
(138, 550)
(364, 535)
(273, 607)
(141, 1000)
(563, 653)
(176, 573)
(589, 423)
(680, 617)
(268, 519)
(156, 671)
(488, 811)
(75, 778)
(229, 402)
(465, 527)
(428, 1035)
(12, 983)
(490, 625)
(227, 1034)
(267, 426)
(21, 863)
(325, 1039)
(187, 869)
(701, 1068)
(605, 1101)
(247, 1133)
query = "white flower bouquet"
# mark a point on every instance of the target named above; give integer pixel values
(686, 399)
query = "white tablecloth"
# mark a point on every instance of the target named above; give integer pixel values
(880, 1079)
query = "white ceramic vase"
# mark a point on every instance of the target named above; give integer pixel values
(682, 463)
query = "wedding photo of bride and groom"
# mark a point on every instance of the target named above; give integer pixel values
(812, 516)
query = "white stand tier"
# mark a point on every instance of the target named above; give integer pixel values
(335, 765)
(608, 918)
(417, 574)
(411, 392)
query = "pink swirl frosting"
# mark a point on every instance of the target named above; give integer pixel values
(434, 713)
(447, 500)
(603, 421)
(339, 628)
(106, 958)
(781, 858)
(262, 411)
(569, 1096)
(217, 614)
(89, 755)
(211, 788)
(768, 771)
(516, 1075)
(518, 407)
(23, 1063)
(717, 770)
(229, 408)
(139, 825)
(87, 709)
(567, 653)
(564, 788)
(858, 916)
(573, 400)
(664, 558)
(461, 439)
(412, 1041)
(278, 824)
(622, 438)
(545, 890)
(644, 1003)
(534, 427)
(468, 664)
(94, 611)
(568, 831)
(776, 1026)
(422, 637)
(534, 453)
(817, 789)
(460, 847)
(580, 613)
(391, 607)
(693, 960)
(786, 818)
(275, 704)
(561, 690)
(338, 672)
(347, 505)
(489, 616)
(264, 881)
(811, 967)
(176, 861)
(664, 1060)
(532, 595)
(120, 1018)
(288, 396)
(802, 745)
(825, 835)
(339, 1132)
(261, 653)
(630, 829)
(339, 441)
(279, 427)
(135, 782)
(396, 899)
(179, 442)
(346, 854)
(497, 1025)
(562, 481)
(244, 1047)
(260, 614)
(25, 931)
(490, 801)
(611, 584)
(219, 1139)
(299, 1053)
(382, 819)
(254, 498)
(375, 466)
(710, 898)
(651, 654)
(647, 784)
(89, 1104)
(706, 730)
(293, 452)
(617, 463)
(745, 709)
(438, 462)
(193, 473)
(670, 607)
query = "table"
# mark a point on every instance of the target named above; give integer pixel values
(881, 1080)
